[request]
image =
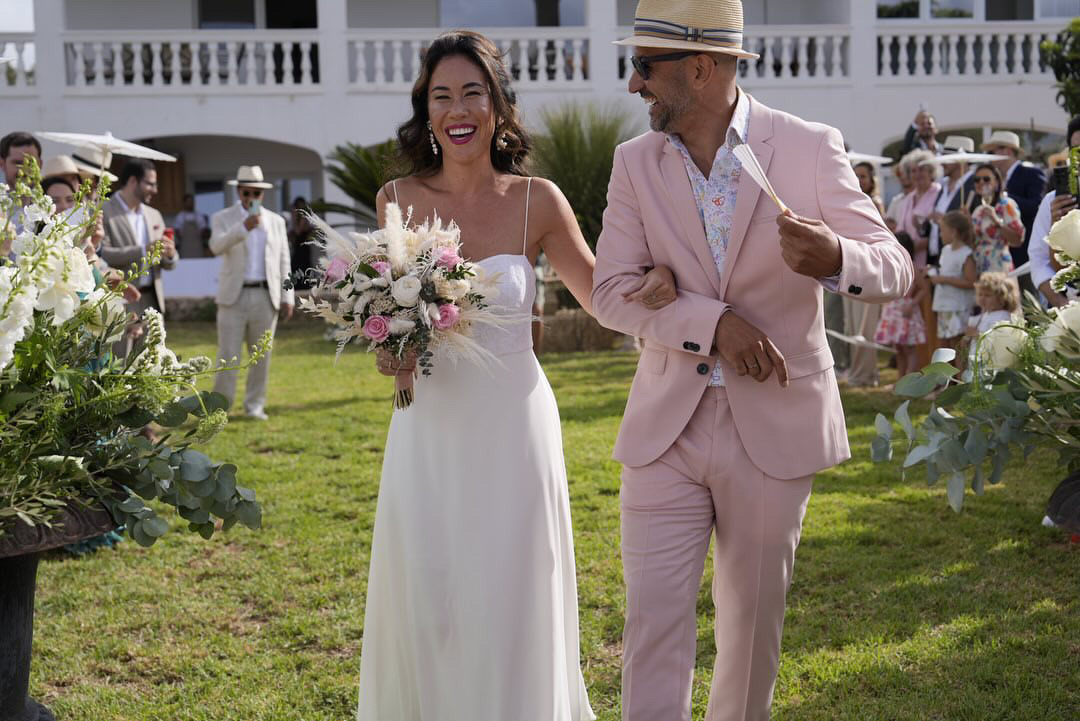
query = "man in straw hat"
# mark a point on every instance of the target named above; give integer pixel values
(734, 405)
(1024, 183)
(957, 185)
(256, 249)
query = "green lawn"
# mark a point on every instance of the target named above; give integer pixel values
(900, 609)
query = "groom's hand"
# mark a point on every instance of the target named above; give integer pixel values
(808, 246)
(748, 350)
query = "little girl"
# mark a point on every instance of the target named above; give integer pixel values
(998, 298)
(901, 324)
(953, 283)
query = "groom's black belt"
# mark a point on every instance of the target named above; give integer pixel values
(256, 284)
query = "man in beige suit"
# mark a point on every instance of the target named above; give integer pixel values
(734, 406)
(132, 228)
(255, 247)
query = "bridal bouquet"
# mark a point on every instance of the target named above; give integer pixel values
(1023, 389)
(71, 413)
(404, 290)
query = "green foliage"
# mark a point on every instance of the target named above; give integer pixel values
(903, 9)
(575, 151)
(359, 172)
(1063, 56)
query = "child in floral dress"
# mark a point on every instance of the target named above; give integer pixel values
(901, 324)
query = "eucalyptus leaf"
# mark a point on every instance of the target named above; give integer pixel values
(249, 514)
(136, 418)
(246, 493)
(140, 536)
(880, 449)
(904, 420)
(131, 504)
(228, 523)
(940, 369)
(977, 481)
(195, 466)
(952, 394)
(915, 385)
(226, 485)
(943, 355)
(171, 416)
(918, 454)
(155, 526)
(1000, 460)
(933, 473)
(884, 428)
(975, 445)
(955, 490)
(160, 468)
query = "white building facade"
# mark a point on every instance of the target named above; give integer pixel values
(228, 82)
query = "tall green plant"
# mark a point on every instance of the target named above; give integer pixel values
(575, 151)
(359, 172)
(1063, 57)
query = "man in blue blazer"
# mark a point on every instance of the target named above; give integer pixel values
(1024, 182)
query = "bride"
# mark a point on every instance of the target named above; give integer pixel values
(471, 599)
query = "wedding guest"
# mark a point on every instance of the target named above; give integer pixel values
(63, 167)
(867, 175)
(901, 325)
(1025, 183)
(915, 221)
(921, 134)
(1052, 209)
(193, 229)
(902, 173)
(62, 192)
(14, 148)
(132, 228)
(861, 319)
(957, 186)
(300, 234)
(998, 226)
(955, 278)
(250, 297)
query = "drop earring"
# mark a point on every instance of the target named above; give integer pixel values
(431, 137)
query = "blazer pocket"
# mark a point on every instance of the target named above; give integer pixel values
(805, 364)
(653, 360)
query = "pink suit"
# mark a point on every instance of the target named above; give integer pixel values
(737, 460)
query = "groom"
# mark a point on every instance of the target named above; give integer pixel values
(734, 406)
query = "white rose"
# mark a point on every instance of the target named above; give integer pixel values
(1065, 235)
(1060, 336)
(406, 290)
(452, 289)
(999, 346)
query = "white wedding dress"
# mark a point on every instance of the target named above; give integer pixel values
(471, 599)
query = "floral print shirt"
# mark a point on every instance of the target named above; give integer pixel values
(715, 195)
(991, 250)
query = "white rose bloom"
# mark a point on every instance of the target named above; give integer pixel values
(1065, 235)
(406, 290)
(999, 346)
(1056, 338)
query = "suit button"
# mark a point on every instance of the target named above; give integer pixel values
(691, 346)
(854, 289)
(702, 368)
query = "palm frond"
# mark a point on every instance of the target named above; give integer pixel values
(359, 172)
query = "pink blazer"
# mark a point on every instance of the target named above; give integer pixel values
(651, 219)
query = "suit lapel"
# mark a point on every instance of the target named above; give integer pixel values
(681, 196)
(121, 225)
(749, 193)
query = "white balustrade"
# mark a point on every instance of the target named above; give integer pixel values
(18, 75)
(942, 51)
(200, 61)
(389, 60)
(788, 55)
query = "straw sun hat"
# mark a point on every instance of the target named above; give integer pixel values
(708, 26)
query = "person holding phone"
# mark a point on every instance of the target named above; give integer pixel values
(1054, 206)
(250, 296)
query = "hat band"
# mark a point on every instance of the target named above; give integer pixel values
(85, 161)
(717, 37)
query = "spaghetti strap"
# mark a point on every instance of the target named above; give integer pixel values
(525, 240)
(393, 184)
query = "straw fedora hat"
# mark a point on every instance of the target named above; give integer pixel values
(708, 26)
(1003, 137)
(62, 165)
(250, 176)
(958, 144)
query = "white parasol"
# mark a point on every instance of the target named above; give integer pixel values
(106, 143)
(952, 158)
(858, 340)
(867, 158)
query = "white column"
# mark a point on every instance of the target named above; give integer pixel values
(601, 18)
(864, 136)
(49, 72)
(334, 83)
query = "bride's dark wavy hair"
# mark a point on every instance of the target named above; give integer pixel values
(510, 144)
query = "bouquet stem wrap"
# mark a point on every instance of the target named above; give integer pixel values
(403, 390)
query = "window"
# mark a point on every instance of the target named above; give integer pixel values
(1012, 9)
(1059, 8)
(226, 14)
(894, 10)
(952, 8)
(510, 13)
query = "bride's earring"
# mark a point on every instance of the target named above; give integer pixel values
(431, 137)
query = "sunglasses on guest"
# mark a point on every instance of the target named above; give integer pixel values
(643, 63)
(984, 179)
(250, 193)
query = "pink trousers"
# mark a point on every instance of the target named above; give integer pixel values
(705, 484)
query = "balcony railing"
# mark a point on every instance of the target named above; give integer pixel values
(18, 75)
(197, 61)
(814, 54)
(389, 60)
(1008, 51)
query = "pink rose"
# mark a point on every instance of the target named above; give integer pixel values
(447, 258)
(377, 328)
(448, 316)
(335, 271)
(381, 267)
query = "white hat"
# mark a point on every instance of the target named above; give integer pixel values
(92, 161)
(708, 26)
(1003, 137)
(251, 176)
(62, 165)
(958, 144)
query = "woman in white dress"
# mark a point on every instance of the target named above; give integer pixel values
(472, 602)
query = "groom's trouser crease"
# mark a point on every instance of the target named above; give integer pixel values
(704, 483)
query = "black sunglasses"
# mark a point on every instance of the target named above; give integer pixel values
(984, 179)
(247, 193)
(643, 63)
